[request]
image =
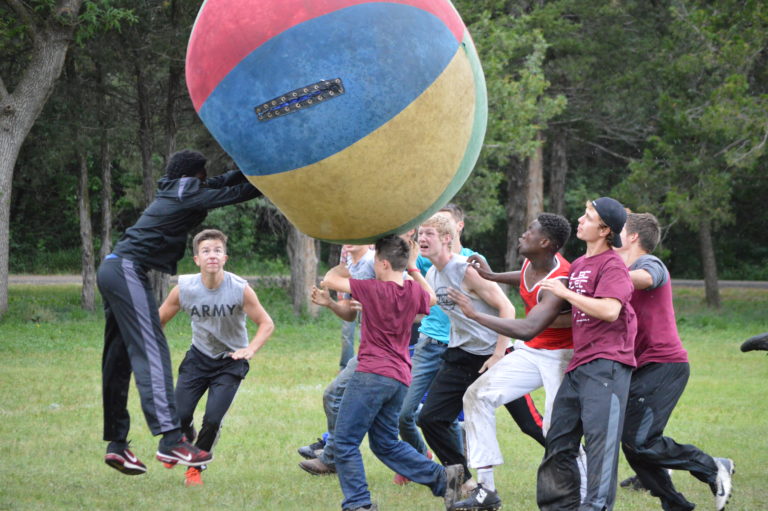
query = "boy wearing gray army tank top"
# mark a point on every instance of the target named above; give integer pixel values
(217, 303)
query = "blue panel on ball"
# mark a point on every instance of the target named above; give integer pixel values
(386, 54)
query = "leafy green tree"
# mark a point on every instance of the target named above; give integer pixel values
(711, 120)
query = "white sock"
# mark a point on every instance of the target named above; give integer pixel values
(485, 477)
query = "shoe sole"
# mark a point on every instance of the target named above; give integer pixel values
(453, 493)
(316, 473)
(125, 467)
(173, 460)
(305, 455)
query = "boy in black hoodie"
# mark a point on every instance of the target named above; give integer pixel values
(133, 337)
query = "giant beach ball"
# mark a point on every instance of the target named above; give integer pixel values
(356, 118)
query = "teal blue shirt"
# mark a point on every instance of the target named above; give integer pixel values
(436, 325)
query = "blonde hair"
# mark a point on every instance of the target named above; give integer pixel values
(443, 224)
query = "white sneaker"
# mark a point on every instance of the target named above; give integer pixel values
(723, 485)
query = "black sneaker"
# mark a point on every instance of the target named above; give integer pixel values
(633, 483)
(309, 452)
(758, 342)
(454, 478)
(183, 453)
(481, 499)
(121, 458)
(723, 484)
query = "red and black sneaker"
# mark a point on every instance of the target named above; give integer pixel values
(183, 453)
(124, 461)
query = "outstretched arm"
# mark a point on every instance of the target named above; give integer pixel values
(258, 315)
(605, 309)
(480, 265)
(416, 275)
(342, 308)
(337, 279)
(545, 314)
(491, 294)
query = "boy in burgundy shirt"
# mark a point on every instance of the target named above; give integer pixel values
(660, 378)
(374, 395)
(593, 395)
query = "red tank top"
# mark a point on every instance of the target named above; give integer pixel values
(549, 338)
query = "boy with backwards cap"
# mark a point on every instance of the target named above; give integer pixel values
(593, 395)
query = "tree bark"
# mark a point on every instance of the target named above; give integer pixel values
(535, 195)
(709, 265)
(517, 190)
(19, 111)
(303, 260)
(105, 159)
(558, 170)
(88, 293)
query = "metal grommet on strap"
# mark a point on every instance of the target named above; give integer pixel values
(299, 99)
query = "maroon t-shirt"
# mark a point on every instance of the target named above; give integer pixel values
(385, 330)
(602, 276)
(657, 338)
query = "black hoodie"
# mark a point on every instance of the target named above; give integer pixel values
(158, 239)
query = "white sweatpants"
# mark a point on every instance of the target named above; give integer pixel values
(517, 374)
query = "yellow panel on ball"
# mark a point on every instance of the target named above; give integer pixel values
(406, 164)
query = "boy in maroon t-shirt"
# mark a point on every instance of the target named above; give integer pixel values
(374, 395)
(660, 378)
(593, 395)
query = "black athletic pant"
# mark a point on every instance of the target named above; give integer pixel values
(133, 342)
(221, 377)
(591, 403)
(653, 394)
(457, 372)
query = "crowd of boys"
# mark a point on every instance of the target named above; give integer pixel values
(599, 335)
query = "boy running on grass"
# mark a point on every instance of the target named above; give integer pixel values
(217, 302)
(593, 395)
(660, 378)
(374, 396)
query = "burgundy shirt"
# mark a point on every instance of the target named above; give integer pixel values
(602, 276)
(385, 330)
(657, 338)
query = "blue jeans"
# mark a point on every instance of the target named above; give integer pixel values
(348, 329)
(426, 361)
(331, 402)
(371, 405)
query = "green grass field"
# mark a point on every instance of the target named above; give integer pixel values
(50, 416)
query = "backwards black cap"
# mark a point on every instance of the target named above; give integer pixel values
(613, 214)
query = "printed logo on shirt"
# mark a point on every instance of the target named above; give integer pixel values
(577, 284)
(443, 300)
(212, 311)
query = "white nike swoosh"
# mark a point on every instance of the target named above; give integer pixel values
(182, 456)
(131, 457)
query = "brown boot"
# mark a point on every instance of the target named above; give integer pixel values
(317, 467)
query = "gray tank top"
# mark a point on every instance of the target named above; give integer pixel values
(466, 334)
(218, 320)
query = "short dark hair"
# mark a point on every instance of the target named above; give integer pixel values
(208, 234)
(556, 228)
(185, 163)
(394, 249)
(455, 210)
(647, 228)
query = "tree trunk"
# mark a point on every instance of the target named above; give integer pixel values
(158, 280)
(334, 254)
(535, 195)
(517, 189)
(105, 159)
(87, 296)
(19, 111)
(709, 265)
(558, 169)
(303, 259)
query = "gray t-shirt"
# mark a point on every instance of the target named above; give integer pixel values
(466, 334)
(654, 267)
(218, 320)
